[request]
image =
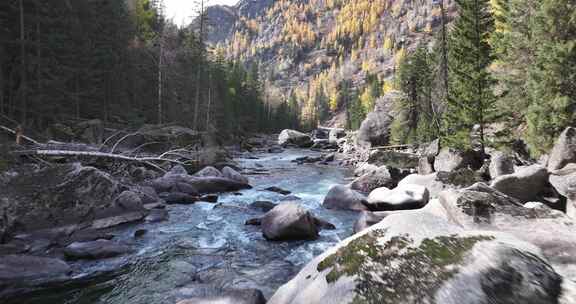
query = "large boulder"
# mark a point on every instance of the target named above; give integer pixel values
(195, 184)
(564, 151)
(483, 207)
(501, 164)
(23, 273)
(451, 159)
(234, 175)
(289, 221)
(564, 181)
(415, 257)
(292, 137)
(404, 197)
(57, 196)
(335, 134)
(99, 249)
(393, 159)
(425, 165)
(343, 198)
(439, 181)
(375, 129)
(209, 171)
(526, 185)
(382, 177)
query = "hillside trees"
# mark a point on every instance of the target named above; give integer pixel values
(416, 120)
(471, 98)
(123, 64)
(552, 78)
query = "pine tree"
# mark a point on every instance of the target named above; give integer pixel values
(552, 78)
(470, 100)
(415, 119)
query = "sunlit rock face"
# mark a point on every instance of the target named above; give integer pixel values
(416, 257)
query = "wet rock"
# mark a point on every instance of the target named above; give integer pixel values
(323, 224)
(323, 144)
(289, 221)
(292, 137)
(202, 185)
(564, 181)
(234, 175)
(403, 197)
(212, 198)
(343, 198)
(288, 198)
(178, 198)
(125, 218)
(209, 171)
(393, 159)
(450, 159)
(278, 190)
(264, 206)
(307, 159)
(23, 273)
(564, 151)
(140, 233)
(253, 222)
(157, 215)
(501, 164)
(13, 248)
(275, 150)
(329, 157)
(382, 177)
(526, 184)
(452, 265)
(99, 249)
(232, 296)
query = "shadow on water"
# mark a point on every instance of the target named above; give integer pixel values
(206, 247)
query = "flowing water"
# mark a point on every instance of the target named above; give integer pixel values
(204, 246)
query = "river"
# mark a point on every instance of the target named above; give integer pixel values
(206, 247)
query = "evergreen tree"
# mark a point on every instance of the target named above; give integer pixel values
(415, 121)
(471, 99)
(552, 78)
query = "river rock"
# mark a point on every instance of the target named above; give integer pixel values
(525, 185)
(374, 130)
(403, 197)
(343, 198)
(369, 218)
(209, 171)
(335, 134)
(564, 151)
(231, 296)
(234, 175)
(292, 137)
(178, 198)
(450, 159)
(157, 215)
(20, 273)
(99, 249)
(415, 257)
(501, 164)
(56, 196)
(564, 181)
(129, 200)
(278, 190)
(365, 168)
(382, 177)
(201, 185)
(289, 221)
(439, 181)
(262, 205)
(425, 165)
(433, 149)
(393, 159)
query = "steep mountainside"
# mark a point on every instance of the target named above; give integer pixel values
(318, 53)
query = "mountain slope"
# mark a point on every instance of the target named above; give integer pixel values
(317, 51)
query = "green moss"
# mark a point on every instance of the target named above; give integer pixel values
(394, 272)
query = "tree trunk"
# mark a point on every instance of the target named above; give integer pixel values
(23, 84)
